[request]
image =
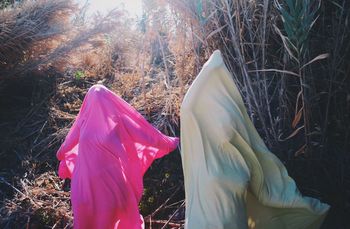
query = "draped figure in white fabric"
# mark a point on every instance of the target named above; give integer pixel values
(232, 180)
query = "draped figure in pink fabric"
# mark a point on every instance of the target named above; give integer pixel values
(105, 154)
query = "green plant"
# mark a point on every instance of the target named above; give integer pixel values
(79, 74)
(298, 17)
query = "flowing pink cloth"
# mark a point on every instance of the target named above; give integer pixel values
(105, 154)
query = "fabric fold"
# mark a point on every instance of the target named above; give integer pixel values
(106, 153)
(232, 180)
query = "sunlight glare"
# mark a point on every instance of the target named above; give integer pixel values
(133, 7)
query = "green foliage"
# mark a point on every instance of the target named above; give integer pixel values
(79, 74)
(298, 17)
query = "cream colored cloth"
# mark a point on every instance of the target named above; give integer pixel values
(232, 181)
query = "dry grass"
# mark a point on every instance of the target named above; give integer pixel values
(41, 34)
(26, 24)
(277, 67)
(151, 68)
(37, 203)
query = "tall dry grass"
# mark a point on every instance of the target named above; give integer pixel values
(38, 34)
(25, 24)
(289, 59)
(271, 49)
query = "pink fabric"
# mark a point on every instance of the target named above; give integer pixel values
(106, 152)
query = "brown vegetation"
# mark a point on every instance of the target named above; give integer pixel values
(293, 73)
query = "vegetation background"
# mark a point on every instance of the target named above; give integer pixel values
(289, 58)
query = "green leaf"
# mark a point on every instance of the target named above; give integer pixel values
(289, 30)
(79, 74)
(287, 17)
(290, 4)
(298, 7)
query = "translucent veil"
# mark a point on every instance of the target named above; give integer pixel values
(106, 153)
